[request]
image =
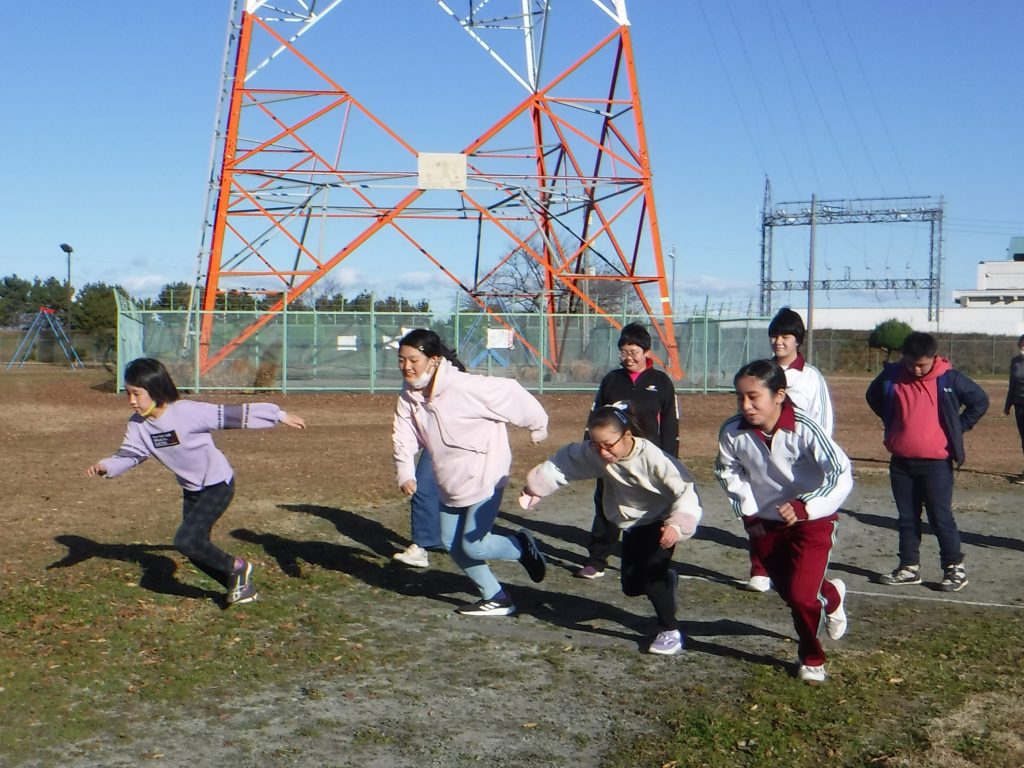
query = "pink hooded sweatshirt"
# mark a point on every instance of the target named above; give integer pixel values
(462, 424)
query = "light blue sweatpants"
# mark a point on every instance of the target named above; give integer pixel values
(466, 534)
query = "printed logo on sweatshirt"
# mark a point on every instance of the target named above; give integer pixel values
(165, 439)
(652, 387)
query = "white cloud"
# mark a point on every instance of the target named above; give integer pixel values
(143, 286)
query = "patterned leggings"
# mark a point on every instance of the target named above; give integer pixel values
(199, 511)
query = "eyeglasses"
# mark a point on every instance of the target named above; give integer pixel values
(606, 448)
(623, 354)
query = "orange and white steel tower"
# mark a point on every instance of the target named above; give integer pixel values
(306, 174)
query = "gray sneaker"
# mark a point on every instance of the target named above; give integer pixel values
(905, 574)
(241, 589)
(954, 578)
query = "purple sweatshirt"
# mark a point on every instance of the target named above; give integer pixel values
(180, 440)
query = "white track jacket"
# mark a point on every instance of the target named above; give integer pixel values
(799, 463)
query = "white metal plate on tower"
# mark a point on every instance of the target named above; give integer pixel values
(442, 170)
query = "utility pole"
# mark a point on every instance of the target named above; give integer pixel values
(810, 283)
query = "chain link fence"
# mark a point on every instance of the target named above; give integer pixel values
(312, 350)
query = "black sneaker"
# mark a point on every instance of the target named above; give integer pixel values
(241, 589)
(954, 578)
(496, 606)
(531, 558)
(905, 574)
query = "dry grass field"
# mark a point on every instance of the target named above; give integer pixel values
(114, 652)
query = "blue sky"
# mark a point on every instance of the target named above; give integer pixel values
(110, 108)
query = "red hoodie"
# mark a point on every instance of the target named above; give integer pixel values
(915, 431)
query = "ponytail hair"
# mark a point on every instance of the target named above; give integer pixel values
(429, 343)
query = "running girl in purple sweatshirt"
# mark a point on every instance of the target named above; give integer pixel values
(177, 433)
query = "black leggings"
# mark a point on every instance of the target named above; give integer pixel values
(200, 510)
(645, 571)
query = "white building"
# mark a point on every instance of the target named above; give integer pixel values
(995, 306)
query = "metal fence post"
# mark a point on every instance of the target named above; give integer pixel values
(316, 350)
(706, 331)
(543, 349)
(373, 344)
(284, 348)
(195, 363)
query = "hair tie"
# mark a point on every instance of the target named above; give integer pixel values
(617, 409)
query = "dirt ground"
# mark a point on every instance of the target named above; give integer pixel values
(57, 423)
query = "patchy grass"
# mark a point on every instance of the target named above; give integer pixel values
(76, 652)
(83, 646)
(879, 708)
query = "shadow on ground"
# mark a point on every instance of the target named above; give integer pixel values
(158, 571)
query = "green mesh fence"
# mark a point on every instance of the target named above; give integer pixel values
(357, 351)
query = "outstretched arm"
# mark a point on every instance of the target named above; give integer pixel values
(291, 420)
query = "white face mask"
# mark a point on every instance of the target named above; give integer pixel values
(424, 378)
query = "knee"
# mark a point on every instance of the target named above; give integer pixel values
(474, 550)
(633, 587)
(184, 543)
(804, 600)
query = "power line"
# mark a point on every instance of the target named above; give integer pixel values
(871, 95)
(846, 101)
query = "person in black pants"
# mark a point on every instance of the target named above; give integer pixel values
(650, 396)
(1015, 396)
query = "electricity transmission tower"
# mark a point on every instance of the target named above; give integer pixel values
(872, 210)
(306, 175)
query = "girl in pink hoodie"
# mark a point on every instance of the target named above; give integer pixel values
(461, 418)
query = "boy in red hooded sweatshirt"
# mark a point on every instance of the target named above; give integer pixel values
(925, 406)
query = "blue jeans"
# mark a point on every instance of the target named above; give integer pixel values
(466, 534)
(928, 483)
(424, 506)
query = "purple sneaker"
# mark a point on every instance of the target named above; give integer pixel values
(667, 643)
(588, 572)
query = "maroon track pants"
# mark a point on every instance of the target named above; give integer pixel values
(796, 557)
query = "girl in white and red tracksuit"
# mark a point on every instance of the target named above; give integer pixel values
(786, 479)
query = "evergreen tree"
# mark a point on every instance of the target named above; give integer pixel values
(14, 300)
(889, 336)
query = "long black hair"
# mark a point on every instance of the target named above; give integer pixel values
(149, 374)
(429, 343)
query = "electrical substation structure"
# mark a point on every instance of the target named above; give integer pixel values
(815, 212)
(305, 174)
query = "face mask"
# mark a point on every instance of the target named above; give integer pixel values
(424, 378)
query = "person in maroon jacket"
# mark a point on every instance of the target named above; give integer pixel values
(926, 406)
(651, 398)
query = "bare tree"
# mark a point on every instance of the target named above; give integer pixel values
(519, 284)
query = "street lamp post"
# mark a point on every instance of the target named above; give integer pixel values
(672, 300)
(68, 250)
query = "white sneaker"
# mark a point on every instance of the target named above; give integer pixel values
(669, 642)
(758, 584)
(811, 674)
(835, 622)
(414, 555)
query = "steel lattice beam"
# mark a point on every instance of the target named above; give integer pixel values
(564, 174)
(873, 210)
